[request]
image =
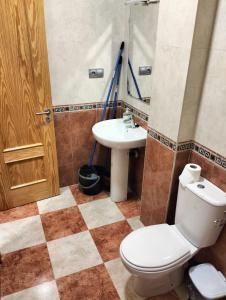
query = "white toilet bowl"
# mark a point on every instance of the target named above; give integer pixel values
(155, 256)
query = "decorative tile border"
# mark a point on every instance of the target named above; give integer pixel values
(85, 106)
(96, 105)
(185, 146)
(203, 151)
(162, 139)
(170, 144)
(210, 155)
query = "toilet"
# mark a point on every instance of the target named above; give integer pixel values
(156, 255)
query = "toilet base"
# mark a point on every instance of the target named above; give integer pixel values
(161, 284)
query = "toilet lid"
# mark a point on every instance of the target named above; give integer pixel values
(154, 246)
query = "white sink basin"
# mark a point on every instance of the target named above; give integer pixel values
(115, 135)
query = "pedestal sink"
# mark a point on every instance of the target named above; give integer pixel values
(115, 135)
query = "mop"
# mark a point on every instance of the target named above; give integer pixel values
(113, 81)
(90, 176)
(114, 110)
(134, 80)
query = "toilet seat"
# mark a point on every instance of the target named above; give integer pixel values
(155, 248)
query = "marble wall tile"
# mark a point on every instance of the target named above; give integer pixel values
(136, 172)
(67, 174)
(189, 113)
(81, 124)
(63, 138)
(79, 39)
(219, 34)
(181, 159)
(213, 173)
(212, 105)
(205, 20)
(217, 253)
(197, 67)
(156, 183)
(75, 140)
(176, 22)
(169, 82)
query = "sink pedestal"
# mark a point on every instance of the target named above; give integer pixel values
(119, 174)
(115, 135)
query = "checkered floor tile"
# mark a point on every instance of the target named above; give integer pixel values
(67, 247)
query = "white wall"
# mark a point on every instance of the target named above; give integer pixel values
(205, 20)
(211, 122)
(176, 25)
(82, 34)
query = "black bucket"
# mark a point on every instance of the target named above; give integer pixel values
(90, 179)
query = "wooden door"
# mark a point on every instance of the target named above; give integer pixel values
(28, 163)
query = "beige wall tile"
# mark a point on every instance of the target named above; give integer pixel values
(219, 34)
(204, 23)
(176, 26)
(189, 113)
(197, 67)
(211, 129)
(171, 67)
(82, 35)
(176, 22)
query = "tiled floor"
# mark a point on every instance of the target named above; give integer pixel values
(67, 247)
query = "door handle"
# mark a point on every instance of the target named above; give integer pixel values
(46, 112)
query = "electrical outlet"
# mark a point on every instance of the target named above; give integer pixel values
(145, 70)
(96, 73)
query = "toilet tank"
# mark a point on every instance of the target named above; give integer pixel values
(201, 212)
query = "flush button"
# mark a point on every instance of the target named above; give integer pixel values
(201, 186)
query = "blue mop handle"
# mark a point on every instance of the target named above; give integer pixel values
(117, 80)
(107, 100)
(112, 80)
(134, 79)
